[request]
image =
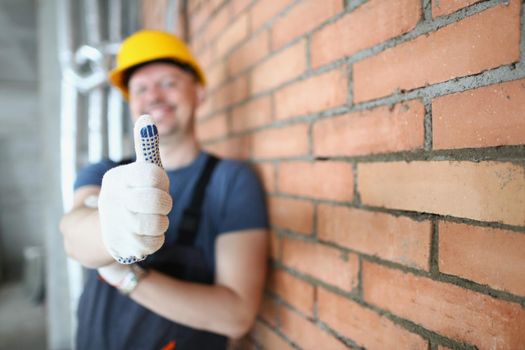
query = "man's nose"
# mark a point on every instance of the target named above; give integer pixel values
(154, 94)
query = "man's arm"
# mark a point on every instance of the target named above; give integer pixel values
(230, 306)
(81, 230)
(130, 221)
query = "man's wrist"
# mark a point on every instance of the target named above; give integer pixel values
(131, 279)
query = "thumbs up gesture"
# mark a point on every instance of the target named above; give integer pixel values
(134, 200)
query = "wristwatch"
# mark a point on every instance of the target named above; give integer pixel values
(132, 278)
(91, 201)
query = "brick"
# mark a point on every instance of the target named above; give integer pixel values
(380, 130)
(290, 141)
(216, 75)
(249, 53)
(205, 109)
(264, 10)
(216, 25)
(444, 7)
(324, 263)
(484, 255)
(212, 128)
(238, 6)
(205, 56)
(302, 18)
(441, 347)
(199, 46)
(293, 214)
(198, 19)
(234, 147)
(280, 68)
(193, 46)
(484, 117)
(269, 311)
(275, 245)
(397, 239)
(266, 173)
(154, 15)
(323, 180)
(446, 309)
(231, 93)
(306, 334)
(232, 36)
(442, 55)
(180, 23)
(268, 339)
(307, 96)
(365, 327)
(194, 6)
(252, 114)
(388, 18)
(215, 4)
(294, 291)
(486, 191)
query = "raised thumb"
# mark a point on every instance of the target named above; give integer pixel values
(146, 139)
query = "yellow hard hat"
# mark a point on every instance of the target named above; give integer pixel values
(151, 45)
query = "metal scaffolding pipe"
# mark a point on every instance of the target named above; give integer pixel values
(93, 32)
(68, 141)
(172, 15)
(115, 108)
(84, 57)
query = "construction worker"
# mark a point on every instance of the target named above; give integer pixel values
(177, 254)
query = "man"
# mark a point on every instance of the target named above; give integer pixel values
(196, 286)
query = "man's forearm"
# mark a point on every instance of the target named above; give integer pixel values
(213, 308)
(82, 238)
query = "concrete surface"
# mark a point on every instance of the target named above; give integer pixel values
(22, 324)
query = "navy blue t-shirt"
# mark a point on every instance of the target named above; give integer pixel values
(234, 200)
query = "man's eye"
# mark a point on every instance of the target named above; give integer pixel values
(168, 84)
(138, 90)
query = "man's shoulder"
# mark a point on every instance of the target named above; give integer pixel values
(233, 168)
(233, 175)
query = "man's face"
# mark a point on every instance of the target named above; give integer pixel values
(168, 94)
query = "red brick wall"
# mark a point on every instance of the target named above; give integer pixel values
(154, 14)
(390, 138)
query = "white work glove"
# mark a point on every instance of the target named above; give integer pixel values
(134, 200)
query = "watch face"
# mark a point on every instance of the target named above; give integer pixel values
(129, 283)
(132, 279)
(91, 201)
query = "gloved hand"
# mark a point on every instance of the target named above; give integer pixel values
(134, 200)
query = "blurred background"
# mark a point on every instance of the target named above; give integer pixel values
(389, 136)
(54, 101)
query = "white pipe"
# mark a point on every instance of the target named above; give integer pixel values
(115, 108)
(88, 53)
(68, 145)
(96, 125)
(172, 16)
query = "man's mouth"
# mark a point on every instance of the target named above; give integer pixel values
(159, 112)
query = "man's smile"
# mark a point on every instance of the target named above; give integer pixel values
(159, 112)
